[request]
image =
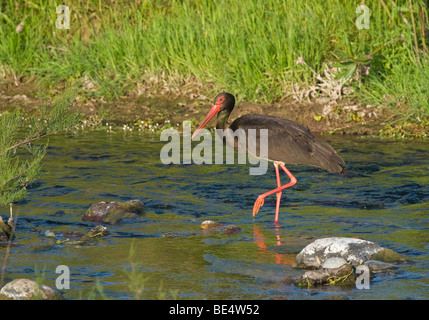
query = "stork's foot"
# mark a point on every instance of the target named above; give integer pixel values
(258, 204)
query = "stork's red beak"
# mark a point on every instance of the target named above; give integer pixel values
(213, 111)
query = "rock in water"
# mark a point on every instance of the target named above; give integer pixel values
(113, 212)
(25, 289)
(49, 234)
(355, 251)
(209, 226)
(336, 259)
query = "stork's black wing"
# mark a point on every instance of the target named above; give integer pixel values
(289, 142)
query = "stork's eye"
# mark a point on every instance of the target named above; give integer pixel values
(220, 100)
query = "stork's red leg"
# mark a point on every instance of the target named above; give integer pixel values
(260, 200)
(278, 194)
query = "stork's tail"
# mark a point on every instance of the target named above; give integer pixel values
(328, 159)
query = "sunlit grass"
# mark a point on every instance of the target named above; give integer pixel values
(247, 47)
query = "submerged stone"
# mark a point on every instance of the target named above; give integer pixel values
(380, 266)
(49, 234)
(208, 225)
(72, 234)
(266, 272)
(113, 212)
(231, 229)
(93, 235)
(212, 226)
(97, 231)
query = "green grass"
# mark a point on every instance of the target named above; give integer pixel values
(247, 47)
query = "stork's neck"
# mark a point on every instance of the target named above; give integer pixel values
(222, 119)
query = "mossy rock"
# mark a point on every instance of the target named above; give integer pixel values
(343, 275)
(388, 255)
(113, 212)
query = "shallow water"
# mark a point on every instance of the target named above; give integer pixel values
(384, 199)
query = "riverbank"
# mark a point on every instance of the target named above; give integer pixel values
(156, 61)
(154, 112)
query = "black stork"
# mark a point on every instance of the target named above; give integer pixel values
(288, 143)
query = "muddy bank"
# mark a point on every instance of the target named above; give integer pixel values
(152, 113)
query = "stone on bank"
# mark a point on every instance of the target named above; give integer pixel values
(26, 289)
